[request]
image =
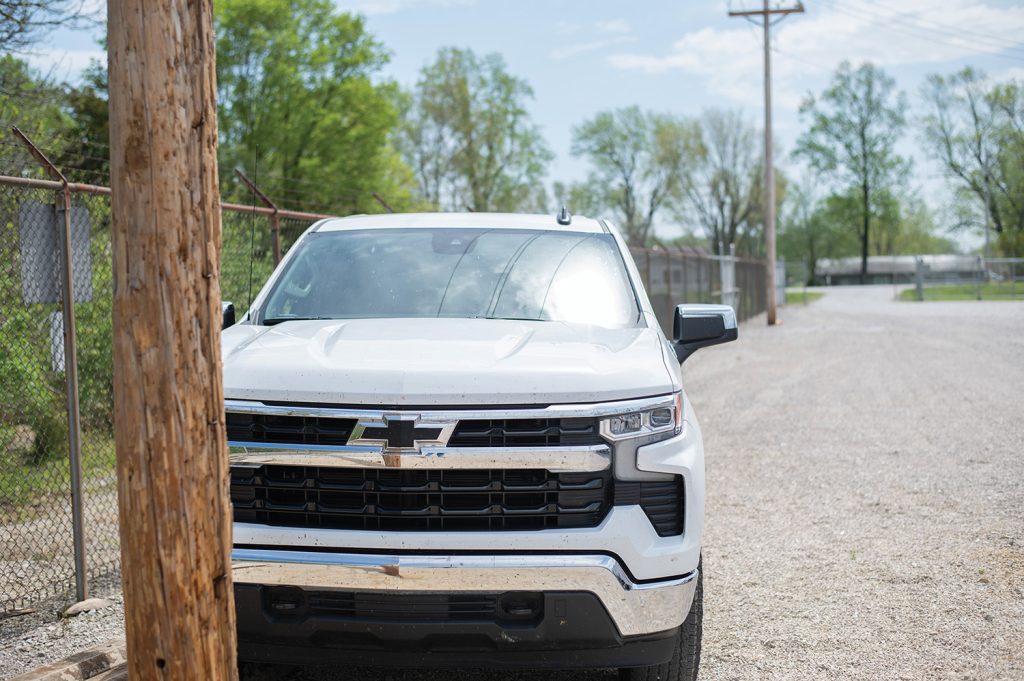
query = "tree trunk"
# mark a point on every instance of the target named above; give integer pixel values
(866, 194)
(172, 463)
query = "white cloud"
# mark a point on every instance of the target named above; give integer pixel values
(893, 33)
(392, 6)
(64, 65)
(574, 49)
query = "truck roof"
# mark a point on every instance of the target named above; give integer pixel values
(460, 220)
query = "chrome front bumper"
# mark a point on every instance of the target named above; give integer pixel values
(636, 608)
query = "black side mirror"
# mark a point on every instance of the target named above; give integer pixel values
(698, 326)
(228, 309)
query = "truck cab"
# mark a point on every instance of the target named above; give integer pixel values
(463, 440)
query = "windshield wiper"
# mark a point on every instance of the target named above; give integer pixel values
(277, 320)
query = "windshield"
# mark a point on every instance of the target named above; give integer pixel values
(485, 273)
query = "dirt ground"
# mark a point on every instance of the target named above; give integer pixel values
(865, 513)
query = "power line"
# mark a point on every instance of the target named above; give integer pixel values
(893, 24)
(955, 30)
(946, 34)
(806, 62)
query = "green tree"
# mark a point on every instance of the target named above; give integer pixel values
(579, 198)
(976, 130)
(723, 190)
(468, 136)
(300, 109)
(86, 104)
(813, 228)
(919, 231)
(639, 159)
(33, 103)
(854, 127)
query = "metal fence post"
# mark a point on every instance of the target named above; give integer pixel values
(919, 278)
(700, 282)
(647, 268)
(727, 275)
(275, 218)
(70, 370)
(981, 276)
(668, 281)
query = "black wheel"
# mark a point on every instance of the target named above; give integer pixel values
(685, 660)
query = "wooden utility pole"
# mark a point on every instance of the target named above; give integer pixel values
(172, 462)
(769, 157)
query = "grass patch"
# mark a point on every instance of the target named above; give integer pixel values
(993, 290)
(27, 487)
(799, 296)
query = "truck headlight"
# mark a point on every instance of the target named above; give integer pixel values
(658, 423)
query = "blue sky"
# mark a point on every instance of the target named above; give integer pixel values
(683, 56)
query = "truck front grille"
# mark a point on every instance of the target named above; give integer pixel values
(526, 433)
(288, 430)
(325, 430)
(418, 500)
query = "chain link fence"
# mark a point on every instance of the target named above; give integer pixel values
(37, 545)
(966, 278)
(675, 276)
(36, 524)
(38, 554)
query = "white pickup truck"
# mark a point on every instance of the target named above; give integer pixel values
(462, 440)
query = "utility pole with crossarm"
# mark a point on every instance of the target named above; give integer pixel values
(766, 14)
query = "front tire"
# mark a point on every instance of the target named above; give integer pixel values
(685, 660)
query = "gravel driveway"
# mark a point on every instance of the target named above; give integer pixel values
(865, 499)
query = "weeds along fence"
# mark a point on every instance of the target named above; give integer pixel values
(56, 536)
(59, 529)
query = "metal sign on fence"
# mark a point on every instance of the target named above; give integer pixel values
(39, 229)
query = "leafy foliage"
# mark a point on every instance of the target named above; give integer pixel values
(724, 189)
(815, 227)
(976, 130)
(468, 136)
(33, 103)
(299, 108)
(854, 127)
(89, 136)
(639, 159)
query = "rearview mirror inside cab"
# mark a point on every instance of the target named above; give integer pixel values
(698, 326)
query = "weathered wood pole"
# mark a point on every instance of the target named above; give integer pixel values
(172, 462)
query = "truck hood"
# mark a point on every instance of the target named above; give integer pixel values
(423, 362)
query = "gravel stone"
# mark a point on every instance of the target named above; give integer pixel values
(43, 637)
(865, 502)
